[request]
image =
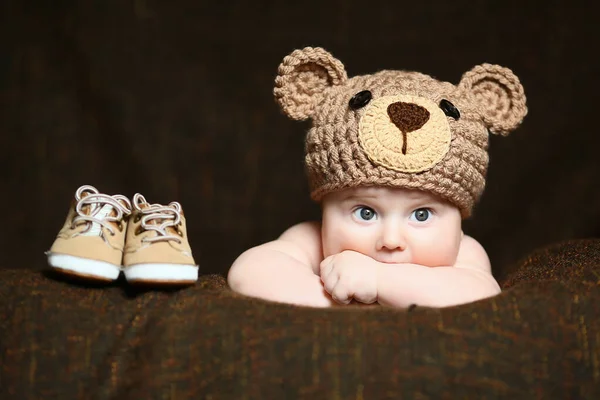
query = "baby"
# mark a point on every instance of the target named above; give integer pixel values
(396, 159)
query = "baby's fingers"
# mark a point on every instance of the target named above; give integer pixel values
(326, 266)
(341, 294)
(329, 280)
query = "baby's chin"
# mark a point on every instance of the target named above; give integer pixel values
(437, 262)
(407, 259)
(392, 259)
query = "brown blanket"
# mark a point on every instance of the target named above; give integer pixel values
(539, 338)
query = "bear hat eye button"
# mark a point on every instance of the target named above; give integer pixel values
(449, 109)
(360, 99)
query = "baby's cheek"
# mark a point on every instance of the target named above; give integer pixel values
(332, 243)
(344, 239)
(441, 253)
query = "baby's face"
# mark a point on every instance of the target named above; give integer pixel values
(392, 226)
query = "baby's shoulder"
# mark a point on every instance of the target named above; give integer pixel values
(303, 230)
(472, 255)
(305, 237)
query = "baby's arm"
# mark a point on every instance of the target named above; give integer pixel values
(470, 279)
(284, 270)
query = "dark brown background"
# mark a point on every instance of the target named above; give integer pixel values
(174, 100)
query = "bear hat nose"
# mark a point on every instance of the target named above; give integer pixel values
(408, 117)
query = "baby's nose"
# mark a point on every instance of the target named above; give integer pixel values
(392, 238)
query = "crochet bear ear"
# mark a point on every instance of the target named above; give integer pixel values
(499, 95)
(302, 78)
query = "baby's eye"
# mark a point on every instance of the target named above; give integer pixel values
(421, 215)
(365, 213)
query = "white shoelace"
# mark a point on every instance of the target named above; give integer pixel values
(169, 215)
(96, 202)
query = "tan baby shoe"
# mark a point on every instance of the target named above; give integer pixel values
(157, 250)
(90, 244)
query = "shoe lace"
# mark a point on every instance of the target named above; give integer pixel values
(96, 202)
(153, 214)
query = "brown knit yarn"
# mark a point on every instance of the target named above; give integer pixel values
(397, 134)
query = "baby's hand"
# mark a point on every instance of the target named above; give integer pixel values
(350, 275)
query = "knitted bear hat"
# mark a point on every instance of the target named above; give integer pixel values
(397, 128)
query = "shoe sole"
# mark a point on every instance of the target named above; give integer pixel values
(167, 274)
(84, 267)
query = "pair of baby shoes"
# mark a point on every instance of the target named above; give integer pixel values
(104, 235)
